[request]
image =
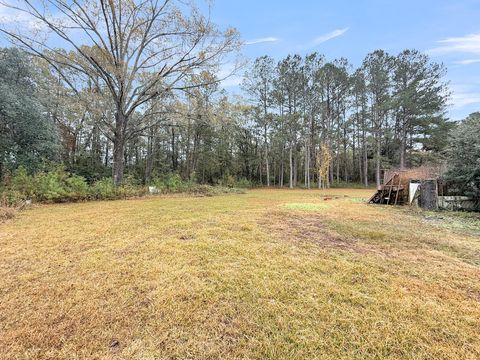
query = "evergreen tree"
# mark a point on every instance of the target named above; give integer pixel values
(27, 136)
(464, 156)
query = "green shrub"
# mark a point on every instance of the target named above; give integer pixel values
(23, 183)
(49, 187)
(172, 184)
(77, 187)
(230, 181)
(130, 188)
(160, 185)
(243, 183)
(58, 185)
(175, 184)
(17, 188)
(11, 198)
(103, 189)
(202, 190)
(53, 186)
(209, 190)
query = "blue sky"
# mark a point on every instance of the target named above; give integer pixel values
(449, 31)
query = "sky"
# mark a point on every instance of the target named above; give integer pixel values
(448, 31)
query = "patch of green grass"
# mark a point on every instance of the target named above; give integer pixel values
(305, 206)
(457, 221)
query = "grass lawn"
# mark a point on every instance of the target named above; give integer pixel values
(270, 274)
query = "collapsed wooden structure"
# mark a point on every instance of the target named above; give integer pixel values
(392, 192)
(418, 187)
(421, 187)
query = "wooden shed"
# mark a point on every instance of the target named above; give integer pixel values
(402, 186)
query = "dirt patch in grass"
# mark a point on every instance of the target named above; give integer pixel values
(6, 214)
(305, 227)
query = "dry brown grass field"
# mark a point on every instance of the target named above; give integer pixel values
(270, 274)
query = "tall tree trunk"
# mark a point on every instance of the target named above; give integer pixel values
(295, 169)
(377, 161)
(119, 148)
(188, 154)
(337, 172)
(307, 166)
(403, 147)
(282, 170)
(260, 166)
(107, 146)
(274, 175)
(345, 160)
(330, 172)
(149, 160)
(365, 154)
(118, 160)
(290, 156)
(73, 151)
(174, 153)
(365, 169)
(267, 165)
(354, 151)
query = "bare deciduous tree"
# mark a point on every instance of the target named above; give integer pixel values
(137, 51)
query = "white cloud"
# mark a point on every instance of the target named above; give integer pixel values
(6, 13)
(463, 44)
(460, 100)
(464, 95)
(228, 74)
(232, 81)
(329, 36)
(12, 18)
(262, 40)
(467, 61)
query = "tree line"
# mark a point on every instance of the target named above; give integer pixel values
(387, 113)
(139, 93)
(298, 116)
